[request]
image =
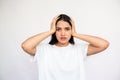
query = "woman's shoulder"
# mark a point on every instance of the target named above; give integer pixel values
(80, 44)
(44, 45)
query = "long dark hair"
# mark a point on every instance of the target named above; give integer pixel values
(65, 18)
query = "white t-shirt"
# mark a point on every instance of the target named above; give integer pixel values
(61, 63)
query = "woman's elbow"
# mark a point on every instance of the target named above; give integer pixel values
(28, 49)
(105, 45)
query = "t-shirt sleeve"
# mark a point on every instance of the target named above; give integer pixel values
(38, 51)
(83, 47)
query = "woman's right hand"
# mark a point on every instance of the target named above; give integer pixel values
(53, 24)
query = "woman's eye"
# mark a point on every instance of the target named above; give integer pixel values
(57, 29)
(67, 29)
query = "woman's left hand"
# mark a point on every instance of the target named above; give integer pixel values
(73, 27)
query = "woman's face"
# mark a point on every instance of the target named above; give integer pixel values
(63, 33)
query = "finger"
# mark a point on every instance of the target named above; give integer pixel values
(72, 20)
(56, 17)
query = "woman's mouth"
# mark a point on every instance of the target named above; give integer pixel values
(63, 38)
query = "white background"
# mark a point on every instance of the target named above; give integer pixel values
(20, 19)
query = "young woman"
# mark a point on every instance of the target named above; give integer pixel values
(62, 58)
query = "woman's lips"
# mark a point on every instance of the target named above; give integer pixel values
(63, 38)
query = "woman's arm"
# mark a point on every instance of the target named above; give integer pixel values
(30, 44)
(96, 44)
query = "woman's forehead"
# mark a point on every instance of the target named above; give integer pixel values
(63, 24)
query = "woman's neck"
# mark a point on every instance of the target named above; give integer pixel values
(61, 44)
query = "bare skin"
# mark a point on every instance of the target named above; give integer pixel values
(63, 33)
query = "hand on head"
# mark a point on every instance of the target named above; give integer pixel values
(53, 24)
(73, 27)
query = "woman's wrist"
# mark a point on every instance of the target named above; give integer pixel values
(74, 34)
(51, 31)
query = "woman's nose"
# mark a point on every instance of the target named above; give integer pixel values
(63, 32)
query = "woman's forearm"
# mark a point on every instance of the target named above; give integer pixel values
(96, 44)
(93, 40)
(30, 44)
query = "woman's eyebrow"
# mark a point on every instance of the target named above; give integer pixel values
(67, 27)
(57, 27)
